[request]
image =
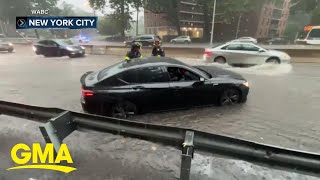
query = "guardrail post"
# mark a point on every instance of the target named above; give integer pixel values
(57, 129)
(187, 156)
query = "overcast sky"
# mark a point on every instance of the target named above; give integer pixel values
(84, 5)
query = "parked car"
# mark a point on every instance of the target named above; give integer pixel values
(181, 39)
(6, 45)
(246, 39)
(140, 86)
(58, 48)
(238, 53)
(277, 41)
(144, 40)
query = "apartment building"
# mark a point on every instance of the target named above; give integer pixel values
(269, 20)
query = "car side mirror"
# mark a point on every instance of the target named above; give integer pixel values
(199, 83)
(261, 50)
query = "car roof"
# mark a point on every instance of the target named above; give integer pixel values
(153, 61)
(147, 62)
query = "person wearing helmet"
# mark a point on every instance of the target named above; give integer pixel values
(134, 53)
(157, 50)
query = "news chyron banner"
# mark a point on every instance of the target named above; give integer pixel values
(56, 22)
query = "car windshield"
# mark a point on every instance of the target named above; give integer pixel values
(64, 42)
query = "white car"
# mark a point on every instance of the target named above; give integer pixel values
(181, 39)
(80, 39)
(239, 53)
(246, 39)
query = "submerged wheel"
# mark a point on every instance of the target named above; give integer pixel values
(229, 97)
(123, 110)
(220, 60)
(273, 61)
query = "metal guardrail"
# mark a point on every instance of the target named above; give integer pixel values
(60, 123)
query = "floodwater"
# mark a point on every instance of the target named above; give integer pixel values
(282, 109)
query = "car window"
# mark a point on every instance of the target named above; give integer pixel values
(315, 33)
(113, 81)
(233, 47)
(147, 38)
(110, 71)
(181, 74)
(151, 75)
(249, 47)
(51, 43)
(43, 42)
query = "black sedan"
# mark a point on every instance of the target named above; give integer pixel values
(157, 84)
(6, 46)
(58, 48)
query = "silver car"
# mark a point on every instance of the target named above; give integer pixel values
(238, 53)
(246, 39)
(181, 39)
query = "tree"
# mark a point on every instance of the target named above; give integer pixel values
(226, 10)
(311, 7)
(121, 15)
(107, 26)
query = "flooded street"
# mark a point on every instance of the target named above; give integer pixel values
(283, 109)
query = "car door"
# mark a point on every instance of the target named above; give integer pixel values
(251, 54)
(52, 48)
(41, 46)
(151, 89)
(181, 39)
(189, 91)
(112, 90)
(232, 53)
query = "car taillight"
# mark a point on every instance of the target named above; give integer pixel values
(208, 53)
(87, 93)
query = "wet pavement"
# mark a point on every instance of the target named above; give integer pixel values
(282, 109)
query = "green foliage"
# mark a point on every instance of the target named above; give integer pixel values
(107, 26)
(121, 16)
(311, 7)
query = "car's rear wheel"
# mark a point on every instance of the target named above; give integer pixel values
(123, 110)
(273, 61)
(220, 60)
(174, 42)
(186, 42)
(229, 97)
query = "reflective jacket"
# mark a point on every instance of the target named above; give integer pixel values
(131, 55)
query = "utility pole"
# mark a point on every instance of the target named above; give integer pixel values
(238, 27)
(137, 25)
(213, 16)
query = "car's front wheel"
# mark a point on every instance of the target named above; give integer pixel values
(273, 61)
(123, 110)
(229, 97)
(10, 50)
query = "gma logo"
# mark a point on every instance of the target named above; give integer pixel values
(41, 159)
